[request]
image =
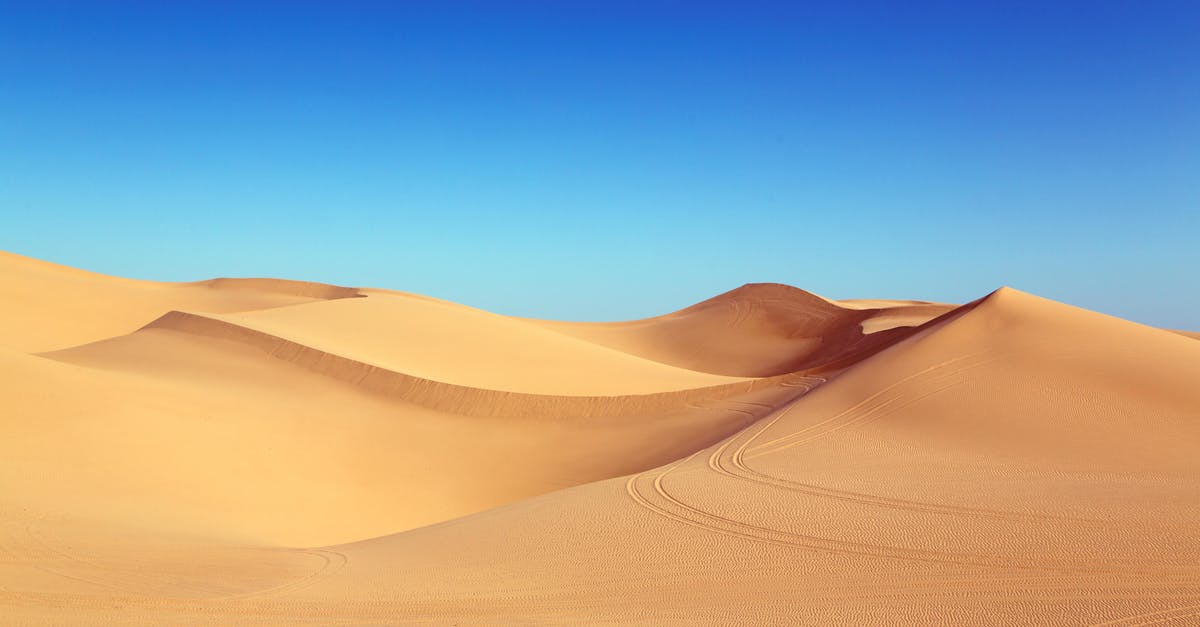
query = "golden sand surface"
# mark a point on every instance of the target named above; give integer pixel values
(270, 452)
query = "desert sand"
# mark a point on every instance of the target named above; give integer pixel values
(261, 451)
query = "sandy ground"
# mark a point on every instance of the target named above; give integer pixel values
(258, 451)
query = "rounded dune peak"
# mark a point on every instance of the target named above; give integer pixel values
(767, 292)
(49, 306)
(287, 287)
(755, 330)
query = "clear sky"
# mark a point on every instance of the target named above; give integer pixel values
(614, 160)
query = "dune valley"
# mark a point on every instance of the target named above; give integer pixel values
(269, 451)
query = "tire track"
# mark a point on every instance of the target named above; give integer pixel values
(875, 402)
(40, 551)
(878, 405)
(1152, 618)
(710, 521)
(735, 466)
(333, 563)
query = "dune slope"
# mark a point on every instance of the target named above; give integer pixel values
(262, 449)
(255, 451)
(1024, 461)
(49, 307)
(313, 421)
(456, 344)
(760, 330)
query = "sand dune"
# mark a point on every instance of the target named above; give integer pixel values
(278, 452)
(760, 330)
(456, 344)
(325, 450)
(1002, 464)
(48, 306)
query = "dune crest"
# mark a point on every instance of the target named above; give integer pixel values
(286, 287)
(759, 330)
(985, 466)
(261, 451)
(437, 395)
(51, 307)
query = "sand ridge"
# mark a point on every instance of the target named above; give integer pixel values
(760, 330)
(50, 307)
(259, 451)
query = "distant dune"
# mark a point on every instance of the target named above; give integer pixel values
(760, 330)
(262, 451)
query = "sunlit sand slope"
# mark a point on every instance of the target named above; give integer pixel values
(1023, 462)
(315, 421)
(178, 432)
(253, 451)
(46, 306)
(456, 344)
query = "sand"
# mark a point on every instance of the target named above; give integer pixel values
(280, 452)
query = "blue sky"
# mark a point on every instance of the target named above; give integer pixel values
(607, 160)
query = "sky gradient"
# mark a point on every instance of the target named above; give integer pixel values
(601, 161)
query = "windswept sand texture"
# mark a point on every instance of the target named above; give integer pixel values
(277, 452)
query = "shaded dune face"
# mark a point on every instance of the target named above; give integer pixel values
(261, 451)
(759, 330)
(1019, 458)
(403, 387)
(285, 396)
